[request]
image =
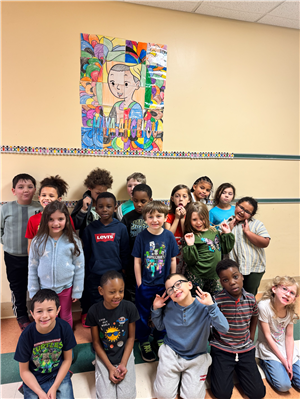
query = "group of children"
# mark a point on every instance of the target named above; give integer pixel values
(181, 271)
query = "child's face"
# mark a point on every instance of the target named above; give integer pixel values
(155, 221)
(243, 211)
(97, 190)
(232, 280)
(178, 289)
(24, 191)
(197, 223)
(130, 186)
(140, 199)
(180, 198)
(112, 292)
(44, 315)
(285, 294)
(226, 196)
(122, 84)
(105, 208)
(48, 194)
(201, 190)
(56, 224)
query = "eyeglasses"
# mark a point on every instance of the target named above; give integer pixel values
(177, 285)
(287, 291)
(244, 210)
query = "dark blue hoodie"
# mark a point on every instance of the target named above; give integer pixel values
(105, 247)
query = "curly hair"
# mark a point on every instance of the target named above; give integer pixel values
(55, 182)
(269, 294)
(99, 177)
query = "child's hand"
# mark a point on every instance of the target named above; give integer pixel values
(225, 228)
(114, 375)
(178, 212)
(44, 395)
(182, 211)
(289, 369)
(74, 300)
(245, 227)
(232, 223)
(86, 202)
(204, 297)
(189, 239)
(122, 370)
(51, 394)
(159, 301)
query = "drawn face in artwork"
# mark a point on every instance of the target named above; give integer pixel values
(122, 84)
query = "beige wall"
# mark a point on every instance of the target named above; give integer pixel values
(231, 86)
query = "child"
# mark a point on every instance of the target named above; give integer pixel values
(14, 218)
(113, 330)
(84, 213)
(183, 356)
(44, 351)
(179, 201)
(105, 245)
(134, 222)
(51, 189)
(203, 248)
(279, 358)
(222, 210)
(133, 180)
(251, 237)
(56, 259)
(155, 251)
(235, 350)
(201, 189)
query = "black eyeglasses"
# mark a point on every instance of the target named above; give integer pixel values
(177, 285)
(244, 210)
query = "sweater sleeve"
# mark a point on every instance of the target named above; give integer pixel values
(227, 242)
(190, 254)
(157, 318)
(218, 320)
(33, 263)
(124, 247)
(78, 216)
(78, 279)
(2, 222)
(87, 248)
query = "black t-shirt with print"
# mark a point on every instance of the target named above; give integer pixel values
(113, 325)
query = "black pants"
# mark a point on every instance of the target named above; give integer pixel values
(223, 365)
(17, 276)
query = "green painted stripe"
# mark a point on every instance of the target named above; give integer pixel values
(275, 200)
(267, 156)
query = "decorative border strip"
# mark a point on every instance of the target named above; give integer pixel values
(113, 153)
(72, 204)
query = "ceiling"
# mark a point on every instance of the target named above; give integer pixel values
(284, 13)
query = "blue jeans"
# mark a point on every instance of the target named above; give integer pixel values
(277, 375)
(65, 390)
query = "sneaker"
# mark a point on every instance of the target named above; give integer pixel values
(157, 344)
(23, 322)
(83, 319)
(146, 352)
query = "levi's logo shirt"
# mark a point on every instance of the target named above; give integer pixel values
(105, 237)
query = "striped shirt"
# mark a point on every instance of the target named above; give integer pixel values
(238, 313)
(248, 256)
(14, 219)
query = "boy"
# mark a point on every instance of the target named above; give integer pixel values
(113, 331)
(105, 244)
(183, 355)
(133, 180)
(84, 213)
(141, 195)
(14, 219)
(235, 350)
(44, 350)
(155, 251)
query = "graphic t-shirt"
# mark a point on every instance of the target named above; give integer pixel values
(113, 327)
(135, 224)
(34, 224)
(156, 252)
(44, 352)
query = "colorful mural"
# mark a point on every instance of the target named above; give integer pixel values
(122, 89)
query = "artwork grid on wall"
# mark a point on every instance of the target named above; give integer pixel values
(122, 93)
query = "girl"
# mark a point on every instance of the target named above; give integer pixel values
(201, 189)
(56, 259)
(222, 209)
(251, 237)
(52, 189)
(180, 200)
(203, 249)
(279, 358)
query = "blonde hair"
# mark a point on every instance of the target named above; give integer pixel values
(269, 294)
(202, 211)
